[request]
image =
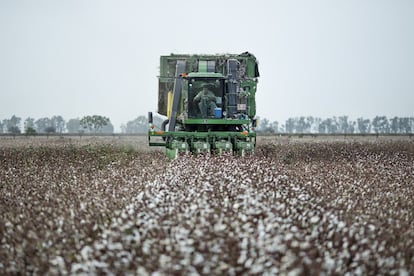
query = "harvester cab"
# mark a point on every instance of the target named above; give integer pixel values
(205, 97)
(210, 104)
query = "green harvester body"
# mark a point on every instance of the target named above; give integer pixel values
(209, 102)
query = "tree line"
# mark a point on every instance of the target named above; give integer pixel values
(303, 124)
(87, 124)
(56, 124)
(339, 125)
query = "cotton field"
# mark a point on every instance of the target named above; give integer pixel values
(106, 206)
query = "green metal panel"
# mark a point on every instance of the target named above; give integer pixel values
(182, 146)
(201, 146)
(181, 142)
(244, 147)
(221, 146)
(171, 153)
(205, 75)
(156, 144)
(215, 122)
(167, 63)
(202, 66)
(250, 87)
(203, 135)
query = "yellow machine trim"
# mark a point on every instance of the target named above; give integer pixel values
(169, 103)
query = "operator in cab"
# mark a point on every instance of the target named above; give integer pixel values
(206, 101)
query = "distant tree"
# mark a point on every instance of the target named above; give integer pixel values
(334, 127)
(73, 125)
(380, 124)
(282, 128)
(300, 124)
(364, 125)
(42, 124)
(94, 123)
(263, 125)
(13, 124)
(58, 123)
(395, 125)
(1, 127)
(405, 125)
(123, 128)
(324, 126)
(274, 127)
(309, 121)
(29, 124)
(343, 125)
(14, 130)
(5, 122)
(316, 121)
(328, 125)
(411, 124)
(351, 127)
(50, 129)
(138, 125)
(109, 128)
(290, 125)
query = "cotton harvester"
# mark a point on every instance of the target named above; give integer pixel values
(209, 101)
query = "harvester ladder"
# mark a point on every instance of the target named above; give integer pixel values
(232, 66)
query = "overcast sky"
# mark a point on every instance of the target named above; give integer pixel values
(322, 58)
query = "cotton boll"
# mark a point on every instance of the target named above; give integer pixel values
(314, 219)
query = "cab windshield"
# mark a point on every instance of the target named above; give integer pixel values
(205, 98)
